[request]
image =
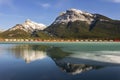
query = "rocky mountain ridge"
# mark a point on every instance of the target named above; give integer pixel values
(72, 15)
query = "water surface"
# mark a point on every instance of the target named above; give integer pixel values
(60, 61)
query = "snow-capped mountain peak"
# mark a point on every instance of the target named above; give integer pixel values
(74, 15)
(29, 26)
(80, 12)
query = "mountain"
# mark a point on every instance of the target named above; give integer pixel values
(77, 24)
(25, 30)
(72, 24)
(28, 26)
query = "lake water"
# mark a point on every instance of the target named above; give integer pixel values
(60, 61)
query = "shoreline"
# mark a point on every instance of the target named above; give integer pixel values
(56, 40)
(30, 42)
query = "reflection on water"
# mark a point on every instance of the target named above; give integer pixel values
(76, 68)
(29, 53)
(34, 52)
(67, 62)
(30, 56)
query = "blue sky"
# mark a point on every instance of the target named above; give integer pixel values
(45, 11)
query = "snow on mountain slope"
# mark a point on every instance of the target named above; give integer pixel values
(74, 15)
(28, 26)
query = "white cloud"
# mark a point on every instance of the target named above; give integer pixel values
(45, 5)
(116, 1)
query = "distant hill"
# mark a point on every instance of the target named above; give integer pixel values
(24, 30)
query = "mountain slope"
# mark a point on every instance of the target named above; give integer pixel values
(18, 33)
(83, 25)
